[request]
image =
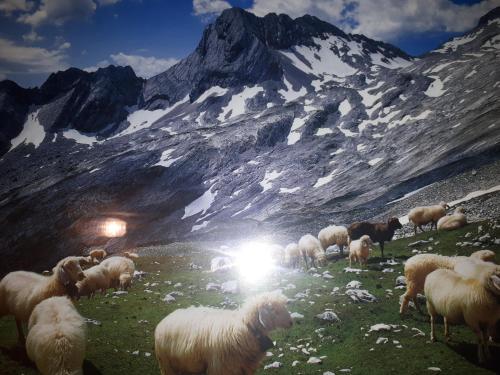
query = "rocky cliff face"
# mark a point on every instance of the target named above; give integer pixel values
(271, 125)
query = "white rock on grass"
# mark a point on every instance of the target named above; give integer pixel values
(314, 361)
(400, 281)
(328, 373)
(435, 369)
(418, 332)
(354, 284)
(295, 363)
(230, 287)
(329, 316)
(296, 315)
(380, 327)
(169, 298)
(273, 365)
(213, 286)
(354, 270)
(360, 295)
(120, 293)
(388, 270)
(382, 340)
(327, 276)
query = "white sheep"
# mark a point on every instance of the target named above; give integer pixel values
(214, 341)
(56, 338)
(292, 255)
(310, 246)
(419, 266)
(21, 291)
(334, 235)
(359, 250)
(96, 279)
(97, 255)
(427, 214)
(473, 268)
(459, 299)
(121, 271)
(453, 221)
(277, 253)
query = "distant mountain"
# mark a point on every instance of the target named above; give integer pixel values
(272, 125)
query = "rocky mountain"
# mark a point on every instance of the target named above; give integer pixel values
(271, 126)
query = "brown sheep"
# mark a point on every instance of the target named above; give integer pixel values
(378, 232)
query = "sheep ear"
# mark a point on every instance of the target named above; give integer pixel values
(265, 316)
(496, 281)
(63, 276)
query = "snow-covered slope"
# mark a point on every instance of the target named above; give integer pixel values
(293, 129)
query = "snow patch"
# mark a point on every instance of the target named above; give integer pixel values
(237, 103)
(80, 138)
(435, 89)
(289, 190)
(375, 161)
(345, 107)
(165, 159)
(325, 180)
(201, 204)
(323, 131)
(33, 132)
(212, 91)
(268, 178)
(290, 94)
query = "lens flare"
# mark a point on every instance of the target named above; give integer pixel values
(255, 261)
(114, 228)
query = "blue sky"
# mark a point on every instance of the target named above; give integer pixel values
(41, 36)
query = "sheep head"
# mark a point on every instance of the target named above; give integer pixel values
(394, 223)
(459, 210)
(321, 257)
(366, 241)
(69, 271)
(267, 311)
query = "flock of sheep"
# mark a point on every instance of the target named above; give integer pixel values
(214, 341)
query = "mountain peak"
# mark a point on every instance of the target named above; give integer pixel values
(491, 15)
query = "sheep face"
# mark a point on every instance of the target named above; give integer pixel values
(321, 257)
(394, 223)
(72, 271)
(274, 315)
(366, 240)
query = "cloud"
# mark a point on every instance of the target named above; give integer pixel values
(145, 67)
(9, 6)
(384, 19)
(209, 7)
(32, 37)
(20, 59)
(107, 2)
(58, 12)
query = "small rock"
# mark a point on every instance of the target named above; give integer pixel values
(230, 287)
(295, 363)
(380, 327)
(435, 369)
(329, 316)
(360, 295)
(220, 264)
(418, 243)
(135, 352)
(147, 354)
(169, 298)
(296, 315)
(314, 360)
(269, 354)
(485, 238)
(382, 340)
(400, 281)
(328, 373)
(178, 285)
(120, 293)
(273, 365)
(327, 276)
(354, 284)
(388, 270)
(468, 235)
(213, 286)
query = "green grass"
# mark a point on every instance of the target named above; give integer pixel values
(346, 345)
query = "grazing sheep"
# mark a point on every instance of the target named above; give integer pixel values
(419, 266)
(56, 339)
(131, 255)
(97, 255)
(277, 253)
(310, 246)
(359, 250)
(473, 268)
(459, 300)
(201, 340)
(21, 291)
(334, 235)
(120, 270)
(427, 214)
(453, 221)
(96, 279)
(378, 232)
(292, 255)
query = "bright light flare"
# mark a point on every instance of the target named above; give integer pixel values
(114, 228)
(255, 261)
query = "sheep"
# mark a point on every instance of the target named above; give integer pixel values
(292, 255)
(453, 221)
(484, 255)
(474, 302)
(473, 267)
(120, 270)
(130, 255)
(56, 339)
(310, 246)
(427, 214)
(96, 279)
(213, 341)
(21, 291)
(378, 232)
(334, 235)
(419, 266)
(277, 253)
(97, 255)
(359, 250)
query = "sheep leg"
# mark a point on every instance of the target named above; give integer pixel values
(305, 260)
(422, 229)
(446, 329)
(484, 335)
(341, 247)
(382, 248)
(433, 333)
(417, 306)
(404, 303)
(21, 338)
(313, 262)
